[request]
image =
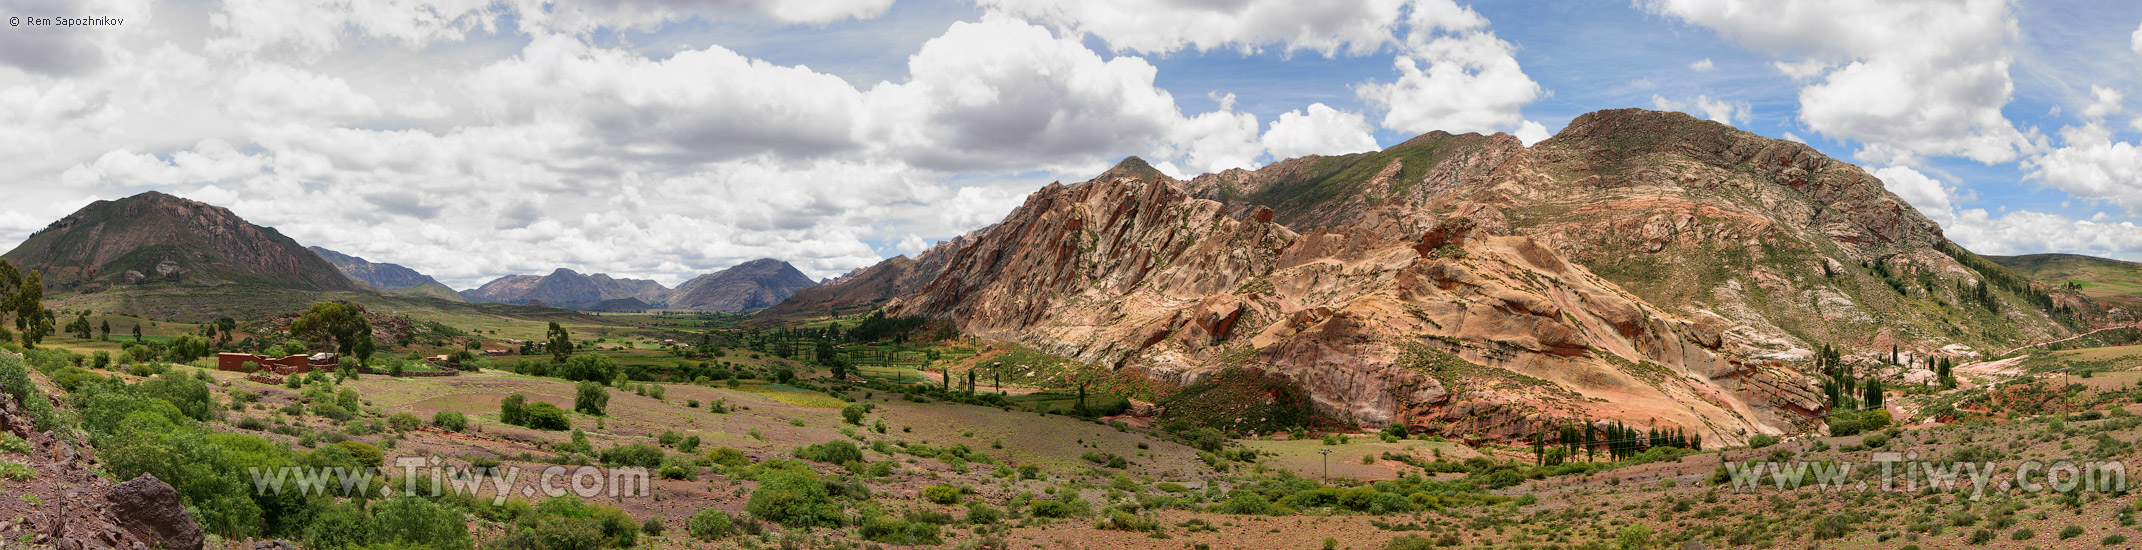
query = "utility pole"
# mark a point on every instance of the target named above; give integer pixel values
(1327, 462)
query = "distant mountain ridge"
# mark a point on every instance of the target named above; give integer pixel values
(748, 286)
(381, 276)
(155, 238)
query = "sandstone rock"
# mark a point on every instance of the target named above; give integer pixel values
(150, 509)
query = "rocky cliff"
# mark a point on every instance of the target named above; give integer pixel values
(1640, 266)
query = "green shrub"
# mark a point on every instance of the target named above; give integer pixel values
(513, 410)
(853, 414)
(1066, 508)
(2070, 532)
(1759, 441)
(983, 514)
(728, 457)
(711, 525)
(793, 498)
(1248, 503)
(452, 421)
(2113, 540)
(1409, 542)
(404, 422)
(70, 378)
(941, 494)
(639, 455)
(591, 398)
(1853, 423)
(418, 522)
(899, 531)
(831, 452)
(545, 416)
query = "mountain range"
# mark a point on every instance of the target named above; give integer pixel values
(158, 240)
(387, 277)
(749, 286)
(1641, 266)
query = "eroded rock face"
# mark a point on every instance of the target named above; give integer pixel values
(1133, 272)
(1639, 267)
(150, 509)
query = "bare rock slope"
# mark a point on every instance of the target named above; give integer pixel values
(1641, 266)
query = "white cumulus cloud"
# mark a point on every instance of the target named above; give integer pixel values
(1165, 26)
(1905, 79)
(1453, 75)
(1319, 130)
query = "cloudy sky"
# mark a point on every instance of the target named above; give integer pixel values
(662, 138)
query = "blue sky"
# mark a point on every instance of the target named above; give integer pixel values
(472, 139)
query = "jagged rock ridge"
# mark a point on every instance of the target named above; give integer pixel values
(1640, 266)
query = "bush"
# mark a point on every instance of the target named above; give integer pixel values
(899, 531)
(2112, 540)
(941, 494)
(452, 421)
(853, 414)
(513, 410)
(1759, 441)
(415, 521)
(793, 498)
(640, 455)
(711, 525)
(404, 422)
(653, 527)
(1069, 507)
(1409, 542)
(545, 416)
(983, 514)
(591, 398)
(831, 452)
(1853, 423)
(1248, 503)
(2070, 532)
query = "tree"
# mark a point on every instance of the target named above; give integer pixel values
(364, 350)
(31, 318)
(137, 332)
(104, 332)
(561, 342)
(513, 410)
(591, 367)
(591, 397)
(227, 326)
(853, 414)
(1872, 391)
(342, 324)
(79, 327)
